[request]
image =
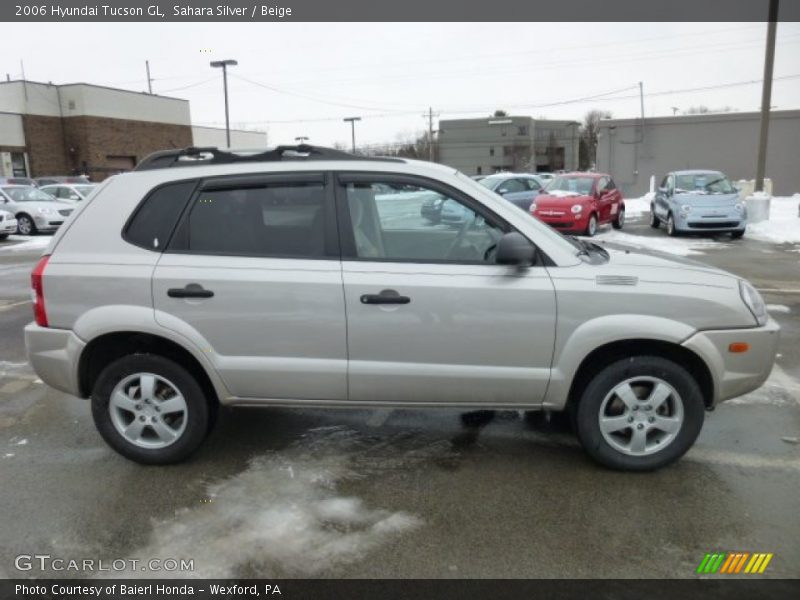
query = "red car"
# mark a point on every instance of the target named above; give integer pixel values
(579, 202)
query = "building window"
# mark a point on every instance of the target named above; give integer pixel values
(522, 130)
(479, 171)
(491, 151)
(18, 164)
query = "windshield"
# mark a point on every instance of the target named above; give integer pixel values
(490, 182)
(703, 183)
(27, 194)
(576, 185)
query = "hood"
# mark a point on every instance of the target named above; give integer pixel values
(621, 255)
(556, 194)
(702, 199)
(560, 199)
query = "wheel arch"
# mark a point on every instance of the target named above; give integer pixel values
(106, 348)
(608, 353)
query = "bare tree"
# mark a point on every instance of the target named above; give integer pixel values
(587, 148)
(500, 113)
(702, 110)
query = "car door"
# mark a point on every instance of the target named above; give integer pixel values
(614, 198)
(253, 269)
(662, 196)
(603, 199)
(430, 317)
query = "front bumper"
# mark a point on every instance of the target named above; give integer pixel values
(49, 223)
(566, 221)
(54, 354)
(711, 220)
(8, 226)
(735, 374)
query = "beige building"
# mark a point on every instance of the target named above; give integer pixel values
(48, 129)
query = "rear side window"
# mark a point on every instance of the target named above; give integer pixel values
(154, 220)
(278, 220)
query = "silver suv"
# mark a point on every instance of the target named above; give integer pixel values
(304, 276)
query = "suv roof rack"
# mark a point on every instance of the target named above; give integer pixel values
(202, 156)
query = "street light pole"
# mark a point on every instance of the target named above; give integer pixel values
(352, 121)
(225, 64)
(766, 95)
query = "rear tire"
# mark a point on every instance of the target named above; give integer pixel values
(3, 236)
(150, 409)
(640, 414)
(735, 235)
(619, 222)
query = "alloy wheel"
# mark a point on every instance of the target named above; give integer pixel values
(641, 416)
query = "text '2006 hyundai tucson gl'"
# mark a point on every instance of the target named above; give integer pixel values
(304, 276)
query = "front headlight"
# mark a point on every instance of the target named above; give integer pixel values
(45, 211)
(739, 207)
(753, 301)
(533, 207)
(686, 208)
(576, 208)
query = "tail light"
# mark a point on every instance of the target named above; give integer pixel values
(37, 291)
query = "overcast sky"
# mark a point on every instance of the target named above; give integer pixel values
(298, 79)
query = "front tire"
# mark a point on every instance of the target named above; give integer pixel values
(735, 235)
(150, 409)
(640, 414)
(591, 226)
(25, 225)
(3, 236)
(671, 231)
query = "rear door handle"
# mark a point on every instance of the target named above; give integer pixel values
(192, 290)
(385, 297)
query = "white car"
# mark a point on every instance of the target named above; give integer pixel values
(8, 224)
(34, 209)
(69, 192)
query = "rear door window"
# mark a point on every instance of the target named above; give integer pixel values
(155, 218)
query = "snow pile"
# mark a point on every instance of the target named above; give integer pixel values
(636, 207)
(24, 242)
(285, 512)
(783, 226)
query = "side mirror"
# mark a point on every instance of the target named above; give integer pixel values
(74, 197)
(502, 191)
(515, 249)
(662, 190)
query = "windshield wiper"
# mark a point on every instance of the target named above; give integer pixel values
(583, 247)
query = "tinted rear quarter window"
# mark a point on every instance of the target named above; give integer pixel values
(283, 220)
(154, 220)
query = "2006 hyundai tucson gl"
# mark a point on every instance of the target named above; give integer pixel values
(305, 276)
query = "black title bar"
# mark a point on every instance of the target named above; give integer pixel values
(378, 11)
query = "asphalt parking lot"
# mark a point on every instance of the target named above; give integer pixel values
(367, 493)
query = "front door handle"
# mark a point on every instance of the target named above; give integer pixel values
(385, 297)
(192, 290)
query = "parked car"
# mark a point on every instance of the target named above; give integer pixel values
(276, 279)
(34, 209)
(580, 202)
(69, 192)
(53, 179)
(17, 181)
(545, 178)
(8, 224)
(698, 201)
(519, 189)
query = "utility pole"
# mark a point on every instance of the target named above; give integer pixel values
(149, 79)
(641, 105)
(766, 94)
(431, 131)
(225, 64)
(352, 121)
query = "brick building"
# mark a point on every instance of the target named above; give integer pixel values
(48, 129)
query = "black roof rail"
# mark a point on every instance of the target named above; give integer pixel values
(202, 156)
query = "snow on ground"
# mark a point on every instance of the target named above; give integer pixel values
(778, 308)
(286, 511)
(780, 389)
(783, 226)
(636, 207)
(682, 246)
(25, 242)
